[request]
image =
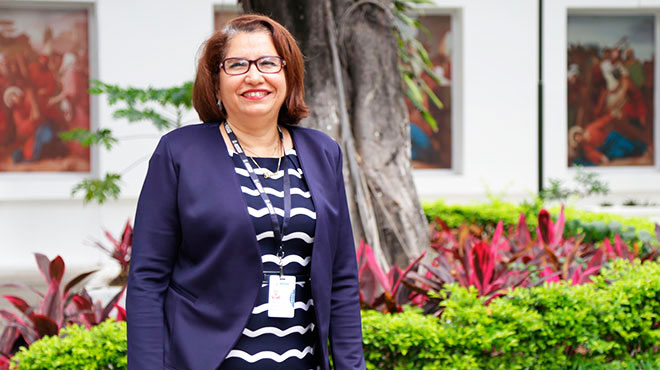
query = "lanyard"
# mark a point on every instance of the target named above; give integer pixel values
(277, 231)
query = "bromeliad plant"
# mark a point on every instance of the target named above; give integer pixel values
(94, 313)
(52, 312)
(55, 309)
(380, 291)
(501, 263)
(120, 252)
(469, 261)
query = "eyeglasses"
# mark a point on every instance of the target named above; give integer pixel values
(239, 66)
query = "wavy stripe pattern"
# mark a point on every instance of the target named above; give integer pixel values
(265, 342)
(286, 260)
(299, 235)
(271, 191)
(265, 234)
(296, 306)
(278, 332)
(295, 235)
(271, 355)
(258, 213)
(261, 171)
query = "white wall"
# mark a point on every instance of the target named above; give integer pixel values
(155, 42)
(138, 43)
(496, 96)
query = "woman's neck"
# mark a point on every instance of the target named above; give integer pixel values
(257, 140)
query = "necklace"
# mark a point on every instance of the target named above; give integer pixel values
(268, 173)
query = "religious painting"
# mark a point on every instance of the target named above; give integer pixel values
(610, 82)
(44, 79)
(433, 148)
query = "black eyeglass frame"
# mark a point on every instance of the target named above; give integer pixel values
(253, 61)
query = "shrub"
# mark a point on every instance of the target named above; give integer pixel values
(507, 261)
(595, 226)
(598, 226)
(52, 312)
(77, 348)
(56, 308)
(479, 213)
(612, 323)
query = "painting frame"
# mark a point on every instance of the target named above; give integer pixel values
(611, 89)
(57, 185)
(456, 132)
(622, 180)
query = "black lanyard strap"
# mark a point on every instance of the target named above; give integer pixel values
(277, 231)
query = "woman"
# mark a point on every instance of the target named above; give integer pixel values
(236, 212)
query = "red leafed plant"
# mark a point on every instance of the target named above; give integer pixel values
(469, 261)
(120, 251)
(48, 316)
(55, 309)
(466, 257)
(93, 313)
(378, 290)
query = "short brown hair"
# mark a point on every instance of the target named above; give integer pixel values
(207, 81)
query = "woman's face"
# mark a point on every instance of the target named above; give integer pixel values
(253, 94)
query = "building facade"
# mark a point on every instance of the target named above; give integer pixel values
(509, 73)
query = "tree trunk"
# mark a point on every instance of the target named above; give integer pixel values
(354, 91)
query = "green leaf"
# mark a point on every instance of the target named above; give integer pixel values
(87, 138)
(406, 19)
(432, 96)
(423, 111)
(432, 74)
(430, 120)
(99, 189)
(421, 52)
(414, 93)
(135, 115)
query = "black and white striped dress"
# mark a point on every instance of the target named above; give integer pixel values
(279, 343)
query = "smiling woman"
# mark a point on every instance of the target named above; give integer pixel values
(243, 254)
(274, 37)
(249, 94)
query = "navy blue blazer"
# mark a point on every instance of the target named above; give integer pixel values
(196, 266)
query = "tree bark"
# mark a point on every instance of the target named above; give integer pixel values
(354, 91)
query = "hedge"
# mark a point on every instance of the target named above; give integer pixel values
(611, 323)
(595, 226)
(77, 348)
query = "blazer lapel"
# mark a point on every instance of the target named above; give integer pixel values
(311, 158)
(226, 166)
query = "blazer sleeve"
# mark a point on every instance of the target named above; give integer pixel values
(345, 322)
(155, 245)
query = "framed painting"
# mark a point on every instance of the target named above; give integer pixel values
(611, 89)
(44, 79)
(433, 149)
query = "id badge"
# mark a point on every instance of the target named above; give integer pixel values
(281, 296)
